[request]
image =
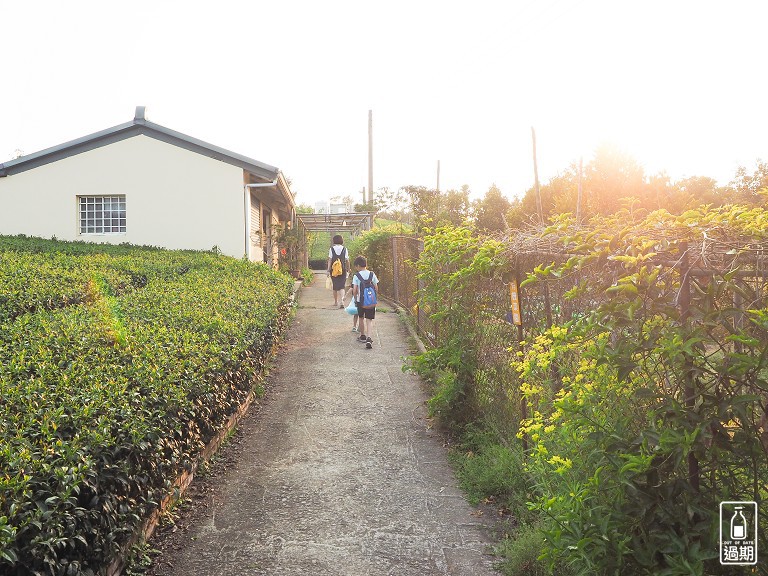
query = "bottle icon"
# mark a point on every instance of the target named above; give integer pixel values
(738, 524)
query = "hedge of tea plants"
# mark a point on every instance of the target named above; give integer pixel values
(117, 365)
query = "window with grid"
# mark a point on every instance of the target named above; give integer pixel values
(102, 214)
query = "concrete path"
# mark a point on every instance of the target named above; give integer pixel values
(340, 472)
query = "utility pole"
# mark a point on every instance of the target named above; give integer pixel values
(539, 207)
(438, 176)
(578, 195)
(370, 157)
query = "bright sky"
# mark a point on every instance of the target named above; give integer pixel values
(678, 84)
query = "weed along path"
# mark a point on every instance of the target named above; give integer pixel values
(337, 473)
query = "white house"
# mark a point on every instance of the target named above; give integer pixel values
(321, 207)
(142, 183)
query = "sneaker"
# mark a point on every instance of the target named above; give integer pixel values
(368, 345)
(369, 340)
(354, 329)
(341, 306)
(362, 338)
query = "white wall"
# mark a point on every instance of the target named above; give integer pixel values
(174, 198)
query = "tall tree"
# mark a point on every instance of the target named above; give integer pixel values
(424, 205)
(454, 207)
(698, 190)
(607, 179)
(659, 193)
(491, 210)
(392, 204)
(611, 176)
(562, 192)
(304, 209)
(752, 188)
(431, 208)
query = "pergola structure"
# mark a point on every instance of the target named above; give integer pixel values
(352, 222)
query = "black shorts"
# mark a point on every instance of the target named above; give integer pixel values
(339, 281)
(369, 313)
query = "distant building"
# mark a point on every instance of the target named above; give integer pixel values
(321, 208)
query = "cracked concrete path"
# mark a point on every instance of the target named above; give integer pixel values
(341, 473)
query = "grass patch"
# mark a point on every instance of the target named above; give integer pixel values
(520, 552)
(492, 473)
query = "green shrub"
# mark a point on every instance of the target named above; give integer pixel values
(451, 265)
(375, 245)
(639, 378)
(647, 410)
(307, 276)
(520, 553)
(109, 393)
(491, 471)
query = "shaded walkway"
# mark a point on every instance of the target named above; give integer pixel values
(339, 473)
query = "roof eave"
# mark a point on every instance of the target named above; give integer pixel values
(204, 148)
(83, 144)
(138, 126)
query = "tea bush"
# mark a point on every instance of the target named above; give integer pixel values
(116, 366)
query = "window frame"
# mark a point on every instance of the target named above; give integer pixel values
(102, 215)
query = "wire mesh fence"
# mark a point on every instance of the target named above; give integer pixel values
(737, 282)
(404, 282)
(668, 333)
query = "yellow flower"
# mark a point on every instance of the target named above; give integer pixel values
(563, 464)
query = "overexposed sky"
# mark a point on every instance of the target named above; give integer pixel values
(678, 84)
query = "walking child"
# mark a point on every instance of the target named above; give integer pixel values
(348, 296)
(338, 268)
(365, 286)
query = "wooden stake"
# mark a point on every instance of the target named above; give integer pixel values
(539, 207)
(578, 195)
(370, 157)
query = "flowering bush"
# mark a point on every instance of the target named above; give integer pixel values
(642, 370)
(647, 410)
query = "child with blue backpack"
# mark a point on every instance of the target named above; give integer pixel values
(351, 309)
(365, 287)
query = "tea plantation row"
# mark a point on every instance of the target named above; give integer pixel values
(117, 364)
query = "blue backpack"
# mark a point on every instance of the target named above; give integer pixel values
(367, 294)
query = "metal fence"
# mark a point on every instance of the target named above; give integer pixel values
(495, 338)
(404, 281)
